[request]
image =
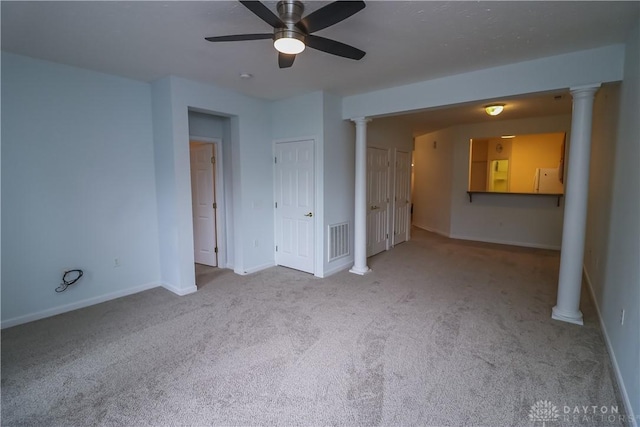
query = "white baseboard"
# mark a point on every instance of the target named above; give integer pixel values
(75, 305)
(254, 269)
(431, 229)
(612, 355)
(339, 266)
(179, 291)
(485, 240)
(507, 242)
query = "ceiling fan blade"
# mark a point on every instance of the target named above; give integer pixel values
(240, 37)
(329, 15)
(285, 60)
(263, 13)
(335, 48)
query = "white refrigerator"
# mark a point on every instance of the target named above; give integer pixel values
(547, 180)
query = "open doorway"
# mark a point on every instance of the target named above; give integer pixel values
(208, 134)
(203, 200)
(206, 187)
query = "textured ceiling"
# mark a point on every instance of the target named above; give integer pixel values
(405, 41)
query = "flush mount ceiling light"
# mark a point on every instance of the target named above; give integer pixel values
(494, 109)
(289, 42)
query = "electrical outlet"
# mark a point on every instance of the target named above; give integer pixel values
(116, 262)
(622, 317)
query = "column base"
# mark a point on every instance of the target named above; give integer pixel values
(563, 316)
(360, 271)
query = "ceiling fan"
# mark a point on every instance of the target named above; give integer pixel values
(292, 33)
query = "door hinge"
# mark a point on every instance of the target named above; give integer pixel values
(275, 160)
(215, 206)
(276, 248)
(216, 250)
(276, 205)
(213, 160)
(387, 235)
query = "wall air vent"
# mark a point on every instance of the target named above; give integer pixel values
(338, 241)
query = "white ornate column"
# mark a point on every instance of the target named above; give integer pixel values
(567, 308)
(360, 221)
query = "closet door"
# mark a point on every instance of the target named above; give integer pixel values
(377, 200)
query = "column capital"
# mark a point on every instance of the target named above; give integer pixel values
(360, 120)
(585, 89)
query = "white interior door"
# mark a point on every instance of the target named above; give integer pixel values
(294, 213)
(203, 200)
(377, 200)
(402, 208)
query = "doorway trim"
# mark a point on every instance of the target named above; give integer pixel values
(221, 223)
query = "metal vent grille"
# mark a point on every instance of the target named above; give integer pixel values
(338, 240)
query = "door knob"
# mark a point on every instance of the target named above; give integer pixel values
(310, 214)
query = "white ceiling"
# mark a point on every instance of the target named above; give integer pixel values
(526, 106)
(405, 41)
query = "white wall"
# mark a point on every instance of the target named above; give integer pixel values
(433, 173)
(533, 221)
(603, 64)
(602, 168)
(78, 187)
(251, 175)
(339, 178)
(441, 181)
(390, 134)
(613, 237)
(301, 118)
(207, 125)
(217, 127)
(165, 184)
(298, 117)
(317, 115)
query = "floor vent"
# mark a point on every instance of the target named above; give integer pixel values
(338, 241)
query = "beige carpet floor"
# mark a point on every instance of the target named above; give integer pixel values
(442, 333)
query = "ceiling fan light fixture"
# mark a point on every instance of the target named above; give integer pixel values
(289, 42)
(494, 109)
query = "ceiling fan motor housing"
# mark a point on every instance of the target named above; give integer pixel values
(290, 12)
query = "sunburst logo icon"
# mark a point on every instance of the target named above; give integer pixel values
(543, 411)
